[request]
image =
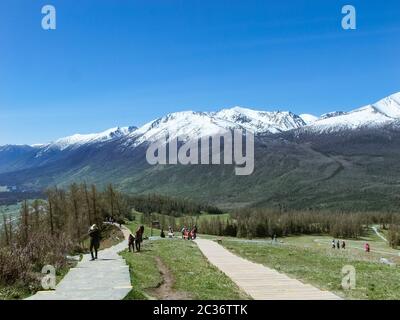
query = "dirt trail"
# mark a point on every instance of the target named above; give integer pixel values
(165, 291)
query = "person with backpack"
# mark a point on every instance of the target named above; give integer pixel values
(95, 237)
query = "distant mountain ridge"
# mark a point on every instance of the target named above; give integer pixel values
(191, 124)
(338, 160)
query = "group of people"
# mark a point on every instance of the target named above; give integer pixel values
(337, 244)
(136, 240)
(189, 234)
(170, 233)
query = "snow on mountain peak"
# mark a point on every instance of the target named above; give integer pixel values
(191, 124)
(308, 118)
(80, 139)
(185, 125)
(390, 106)
(332, 114)
(261, 121)
(367, 116)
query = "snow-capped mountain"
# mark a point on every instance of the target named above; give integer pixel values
(187, 125)
(334, 157)
(77, 140)
(190, 124)
(261, 121)
(383, 112)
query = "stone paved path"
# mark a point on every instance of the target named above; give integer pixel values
(107, 278)
(258, 281)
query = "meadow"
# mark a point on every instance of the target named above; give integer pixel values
(309, 258)
(175, 268)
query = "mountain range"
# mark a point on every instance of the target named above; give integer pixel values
(340, 160)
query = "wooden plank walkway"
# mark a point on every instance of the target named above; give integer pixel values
(106, 278)
(258, 281)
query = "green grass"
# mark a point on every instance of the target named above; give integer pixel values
(193, 274)
(144, 274)
(314, 262)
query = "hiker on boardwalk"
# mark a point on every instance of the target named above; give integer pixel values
(343, 244)
(367, 247)
(139, 237)
(333, 244)
(338, 244)
(95, 237)
(131, 242)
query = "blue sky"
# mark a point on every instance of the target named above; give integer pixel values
(123, 62)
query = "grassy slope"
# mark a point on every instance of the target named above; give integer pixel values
(316, 263)
(192, 273)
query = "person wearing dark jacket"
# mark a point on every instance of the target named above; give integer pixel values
(139, 237)
(131, 243)
(95, 237)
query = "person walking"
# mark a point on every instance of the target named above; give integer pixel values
(338, 244)
(139, 237)
(95, 237)
(367, 247)
(333, 244)
(131, 243)
(343, 244)
(194, 232)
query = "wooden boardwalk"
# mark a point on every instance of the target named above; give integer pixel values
(107, 278)
(258, 281)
